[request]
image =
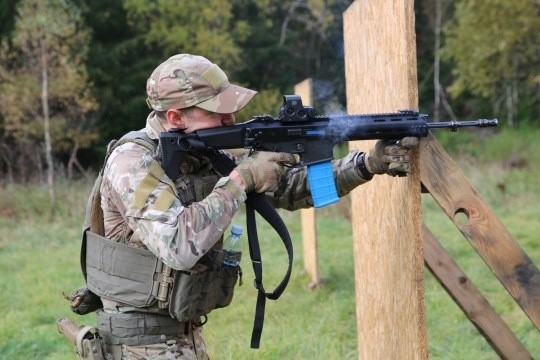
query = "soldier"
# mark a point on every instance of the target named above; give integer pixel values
(156, 232)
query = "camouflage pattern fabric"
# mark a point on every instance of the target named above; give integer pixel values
(187, 80)
(291, 194)
(189, 347)
(141, 207)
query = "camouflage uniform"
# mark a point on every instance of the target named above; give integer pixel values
(142, 207)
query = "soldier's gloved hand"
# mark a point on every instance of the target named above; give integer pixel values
(391, 157)
(262, 171)
(83, 301)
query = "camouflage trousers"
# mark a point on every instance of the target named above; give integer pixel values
(189, 347)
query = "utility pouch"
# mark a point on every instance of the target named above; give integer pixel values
(87, 343)
(92, 349)
(120, 272)
(207, 286)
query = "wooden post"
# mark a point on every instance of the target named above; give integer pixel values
(380, 68)
(309, 229)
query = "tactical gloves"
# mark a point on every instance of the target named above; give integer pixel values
(262, 171)
(83, 301)
(390, 157)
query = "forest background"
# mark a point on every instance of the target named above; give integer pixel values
(73, 73)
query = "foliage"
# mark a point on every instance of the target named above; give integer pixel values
(7, 17)
(119, 63)
(495, 47)
(204, 27)
(292, 40)
(45, 64)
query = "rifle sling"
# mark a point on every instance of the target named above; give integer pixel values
(259, 203)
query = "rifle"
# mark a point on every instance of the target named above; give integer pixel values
(300, 130)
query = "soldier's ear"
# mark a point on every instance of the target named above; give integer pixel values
(175, 119)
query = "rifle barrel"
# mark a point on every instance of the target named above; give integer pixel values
(454, 125)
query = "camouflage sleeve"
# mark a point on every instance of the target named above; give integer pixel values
(148, 200)
(294, 190)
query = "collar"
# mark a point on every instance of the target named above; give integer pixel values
(153, 126)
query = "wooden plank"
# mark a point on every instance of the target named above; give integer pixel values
(380, 68)
(309, 229)
(470, 300)
(500, 251)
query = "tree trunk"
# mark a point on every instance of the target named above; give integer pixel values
(509, 105)
(437, 62)
(73, 161)
(7, 155)
(46, 120)
(36, 155)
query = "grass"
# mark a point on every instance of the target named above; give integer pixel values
(39, 249)
(38, 260)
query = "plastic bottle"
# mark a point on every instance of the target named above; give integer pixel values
(232, 247)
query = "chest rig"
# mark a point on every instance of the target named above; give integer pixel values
(136, 277)
(180, 291)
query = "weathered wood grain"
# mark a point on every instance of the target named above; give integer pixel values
(380, 68)
(470, 300)
(309, 228)
(500, 251)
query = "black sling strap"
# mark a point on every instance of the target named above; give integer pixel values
(259, 203)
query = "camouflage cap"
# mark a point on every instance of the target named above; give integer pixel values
(187, 80)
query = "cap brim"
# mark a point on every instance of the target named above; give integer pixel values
(229, 101)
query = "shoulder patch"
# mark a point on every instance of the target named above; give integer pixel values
(148, 184)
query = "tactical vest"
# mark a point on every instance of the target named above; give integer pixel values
(138, 278)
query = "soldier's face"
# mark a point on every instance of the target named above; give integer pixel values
(197, 119)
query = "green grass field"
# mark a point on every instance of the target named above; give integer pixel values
(39, 250)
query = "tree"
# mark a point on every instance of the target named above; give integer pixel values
(290, 40)
(433, 73)
(44, 81)
(118, 63)
(7, 15)
(495, 46)
(203, 27)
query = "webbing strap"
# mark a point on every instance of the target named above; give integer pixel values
(139, 329)
(259, 203)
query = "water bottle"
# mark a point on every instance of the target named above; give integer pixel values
(232, 247)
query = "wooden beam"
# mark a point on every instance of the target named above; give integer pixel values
(500, 251)
(309, 228)
(380, 68)
(470, 300)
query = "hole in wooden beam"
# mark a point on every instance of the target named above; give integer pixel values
(461, 216)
